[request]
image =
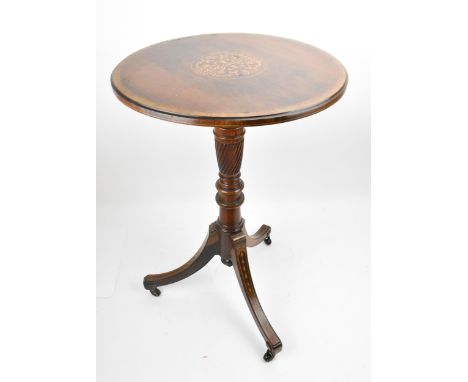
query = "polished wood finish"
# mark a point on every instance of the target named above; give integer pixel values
(262, 234)
(229, 144)
(232, 248)
(241, 266)
(207, 251)
(227, 237)
(229, 81)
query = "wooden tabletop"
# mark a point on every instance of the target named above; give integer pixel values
(229, 80)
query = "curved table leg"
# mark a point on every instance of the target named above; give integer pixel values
(207, 251)
(263, 234)
(241, 266)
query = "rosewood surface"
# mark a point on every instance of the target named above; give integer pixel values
(229, 80)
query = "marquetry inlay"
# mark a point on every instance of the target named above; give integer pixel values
(228, 65)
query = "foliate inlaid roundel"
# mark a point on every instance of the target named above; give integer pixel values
(227, 65)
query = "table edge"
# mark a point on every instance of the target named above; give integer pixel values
(231, 121)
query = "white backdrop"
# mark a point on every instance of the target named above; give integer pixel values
(308, 179)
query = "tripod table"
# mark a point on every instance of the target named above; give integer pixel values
(229, 82)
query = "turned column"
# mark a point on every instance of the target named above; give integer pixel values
(229, 143)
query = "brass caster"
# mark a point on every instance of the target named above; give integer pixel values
(155, 291)
(226, 262)
(268, 356)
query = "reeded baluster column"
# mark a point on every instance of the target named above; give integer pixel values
(229, 144)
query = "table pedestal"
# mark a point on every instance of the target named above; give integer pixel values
(227, 236)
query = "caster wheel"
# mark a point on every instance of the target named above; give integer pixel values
(268, 356)
(267, 240)
(155, 292)
(227, 262)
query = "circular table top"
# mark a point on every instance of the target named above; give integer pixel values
(229, 80)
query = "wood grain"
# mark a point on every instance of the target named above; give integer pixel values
(229, 80)
(229, 144)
